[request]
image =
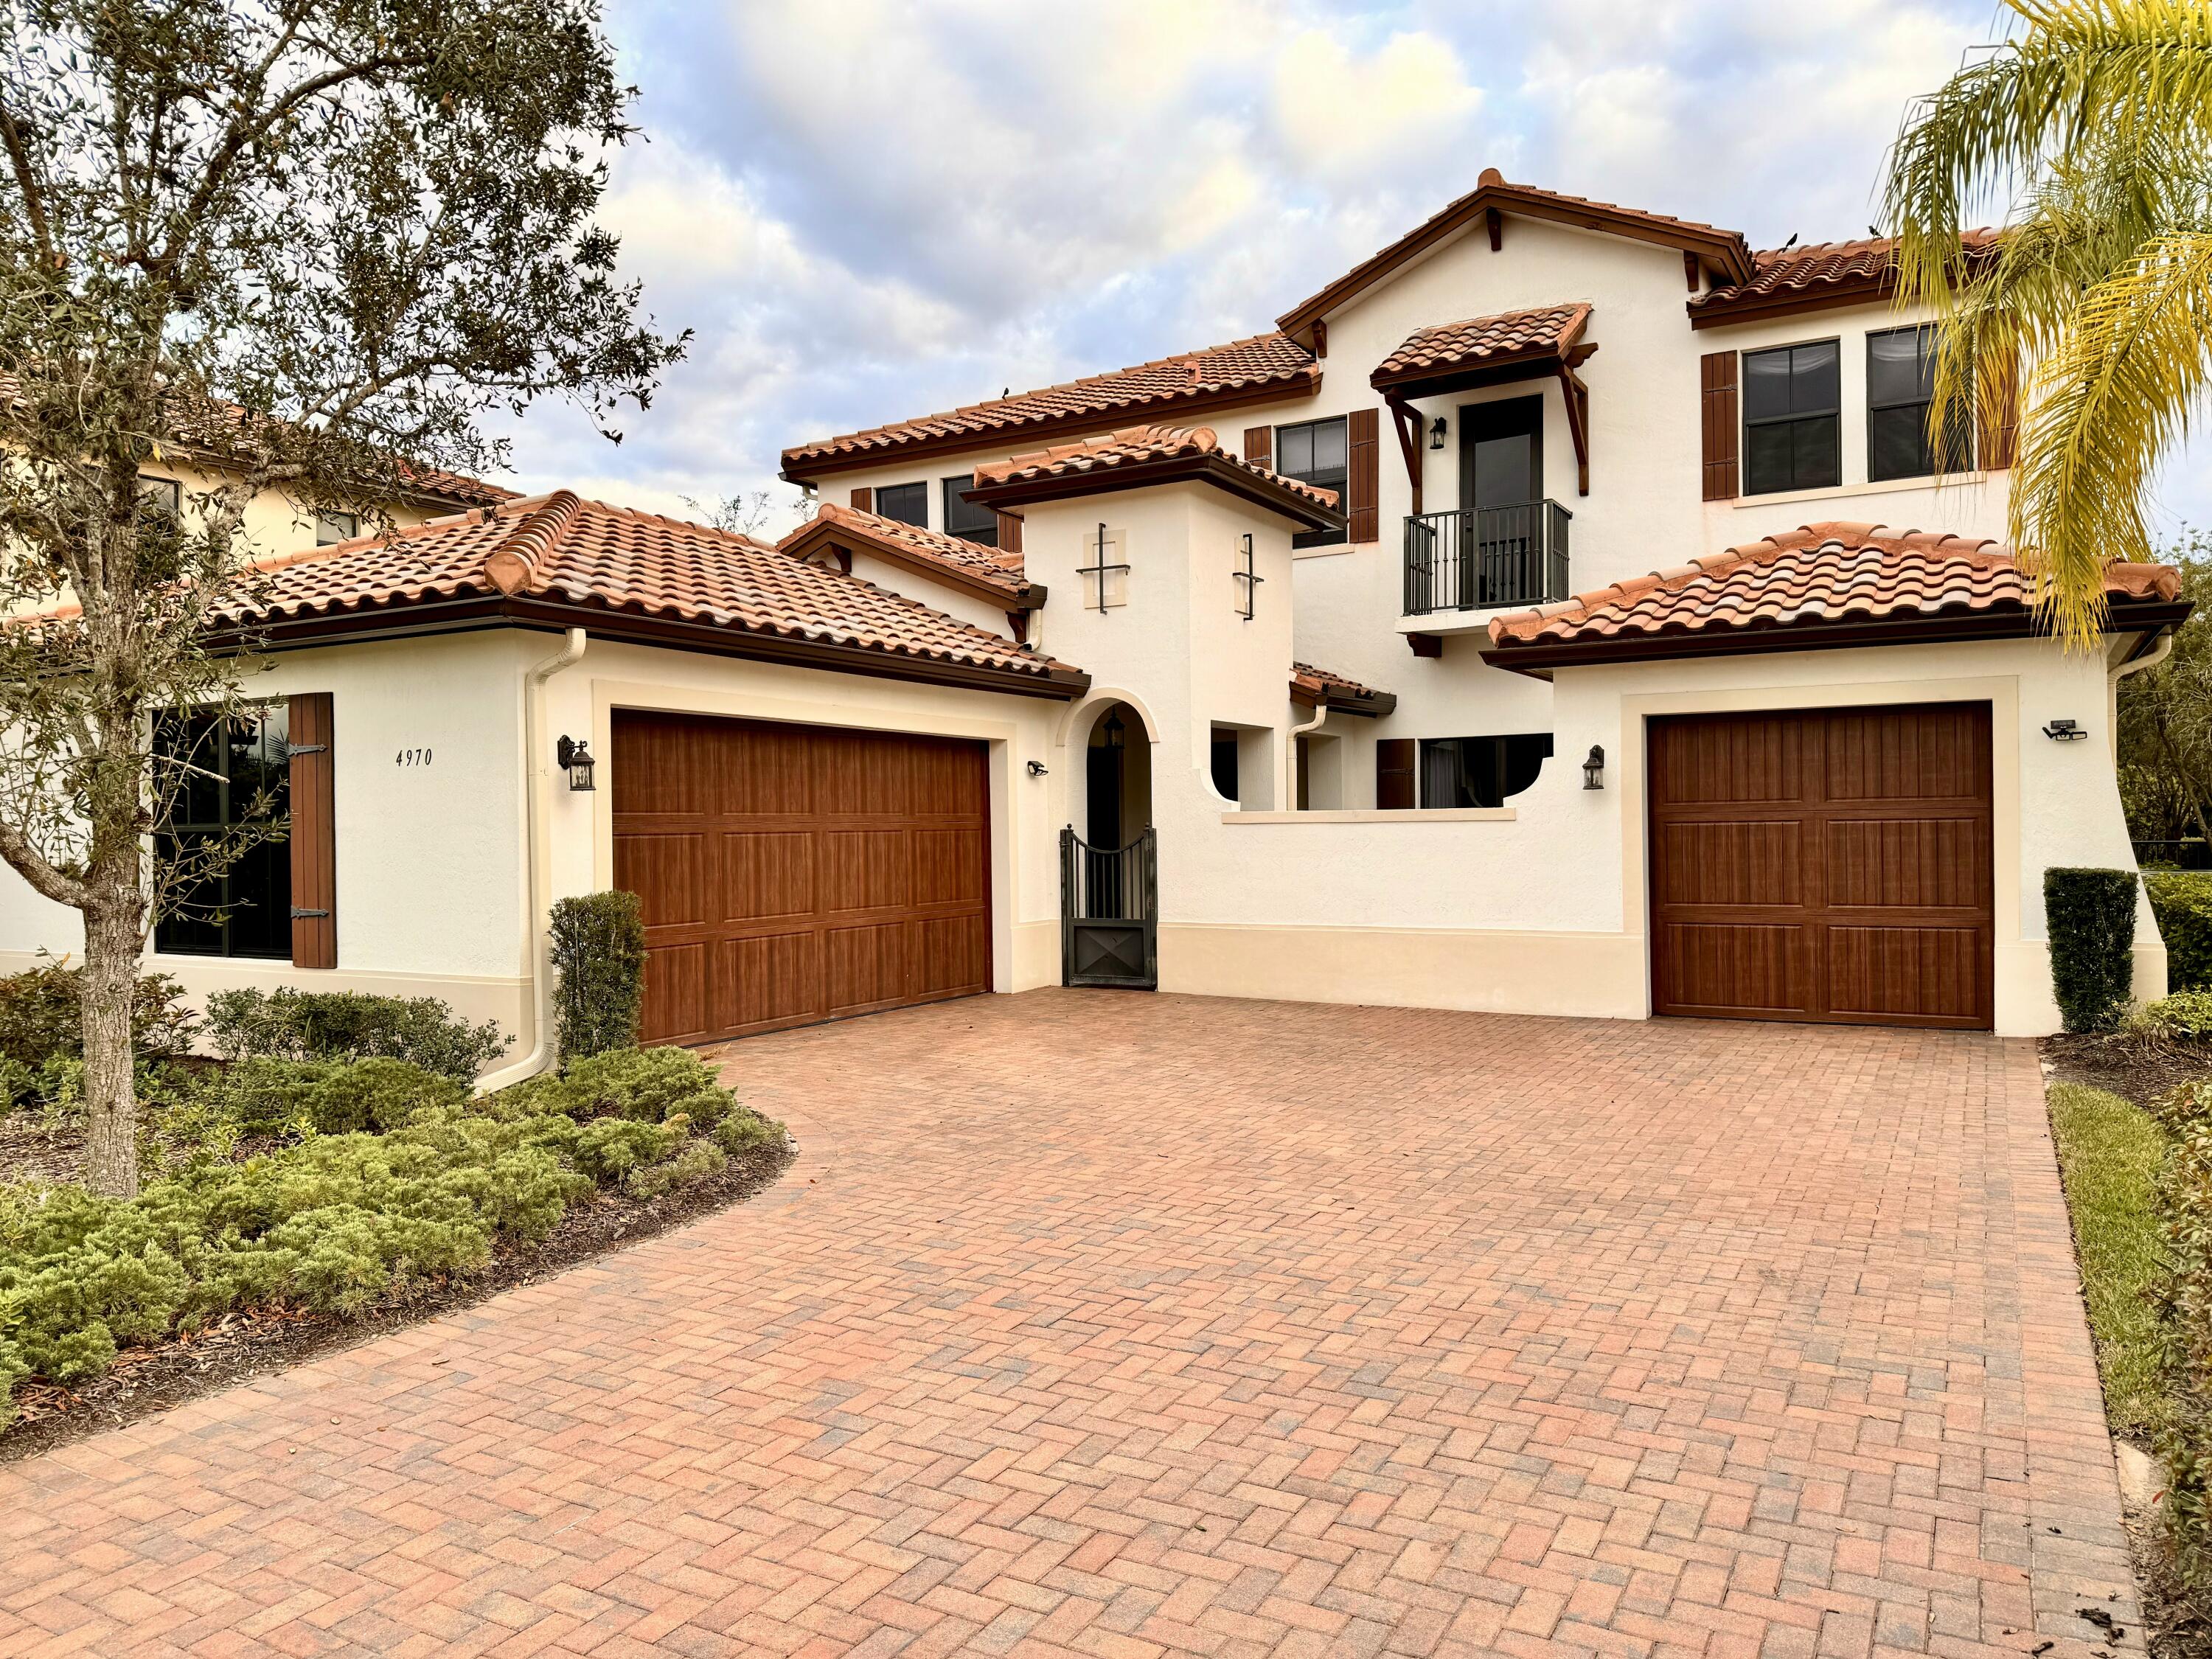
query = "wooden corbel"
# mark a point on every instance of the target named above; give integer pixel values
(1577, 395)
(1496, 222)
(1408, 420)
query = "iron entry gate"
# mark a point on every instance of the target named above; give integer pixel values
(1109, 913)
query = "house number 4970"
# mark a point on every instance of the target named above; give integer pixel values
(413, 757)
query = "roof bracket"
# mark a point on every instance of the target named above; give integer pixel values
(1496, 222)
(1577, 400)
(1407, 421)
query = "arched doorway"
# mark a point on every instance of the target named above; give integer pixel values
(1110, 870)
(1117, 775)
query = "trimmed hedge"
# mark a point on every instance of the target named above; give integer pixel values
(2091, 915)
(2182, 901)
(598, 957)
(382, 1172)
(42, 1018)
(288, 1024)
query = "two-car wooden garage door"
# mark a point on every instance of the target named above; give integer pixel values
(1832, 865)
(791, 874)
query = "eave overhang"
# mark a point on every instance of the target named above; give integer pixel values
(1211, 468)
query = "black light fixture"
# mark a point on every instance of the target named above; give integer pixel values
(2064, 732)
(575, 759)
(1113, 729)
(1594, 767)
(1437, 434)
(1037, 768)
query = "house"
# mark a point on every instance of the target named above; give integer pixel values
(1562, 611)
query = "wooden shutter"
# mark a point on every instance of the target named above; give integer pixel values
(1010, 533)
(1716, 395)
(1259, 444)
(1361, 481)
(1394, 774)
(864, 499)
(2000, 421)
(313, 838)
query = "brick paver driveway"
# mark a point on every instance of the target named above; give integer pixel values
(1116, 1325)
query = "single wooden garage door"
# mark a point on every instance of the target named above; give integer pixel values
(795, 874)
(1830, 865)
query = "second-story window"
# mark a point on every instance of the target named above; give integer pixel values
(1792, 403)
(164, 495)
(907, 502)
(333, 527)
(965, 518)
(1900, 384)
(1315, 453)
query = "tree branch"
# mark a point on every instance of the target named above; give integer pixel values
(45, 880)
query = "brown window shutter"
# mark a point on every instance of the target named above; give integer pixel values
(1260, 445)
(1394, 774)
(1717, 388)
(864, 499)
(1010, 533)
(314, 837)
(1361, 480)
(2000, 421)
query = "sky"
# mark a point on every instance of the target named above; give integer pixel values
(872, 209)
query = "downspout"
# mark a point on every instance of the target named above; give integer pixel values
(1290, 771)
(2150, 658)
(538, 812)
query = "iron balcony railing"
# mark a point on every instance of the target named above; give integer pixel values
(1480, 558)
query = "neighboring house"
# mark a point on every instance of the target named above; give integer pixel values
(1559, 613)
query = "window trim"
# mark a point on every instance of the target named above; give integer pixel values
(1745, 422)
(949, 496)
(1935, 470)
(1342, 535)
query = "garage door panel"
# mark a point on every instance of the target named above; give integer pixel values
(1915, 864)
(1735, 967)
(767, 874)
(1863, 893)
(1725, 862)
(1935, 972)
(810, 873)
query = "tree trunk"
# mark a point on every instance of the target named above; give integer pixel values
(112, 938)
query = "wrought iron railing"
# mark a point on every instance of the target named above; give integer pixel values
(1480, 557)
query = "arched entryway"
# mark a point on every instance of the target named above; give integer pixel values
(1110, 870)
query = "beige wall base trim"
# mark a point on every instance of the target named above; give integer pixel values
(1595, 974)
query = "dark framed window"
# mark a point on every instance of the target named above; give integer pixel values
(965, 518)
(1792, 405)
(907, 502)
(333, 527)
(240, 774)
(1480, 771)
(1223, 762)
(162, 494)
(1316, 453)
(1900, 385)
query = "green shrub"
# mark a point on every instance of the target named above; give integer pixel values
(2186, 1299)
(698, 1161)
(2184, 1017)
(41, 1015)
(2182, 901)
(599, 958)
(288, 1024)
(2091, 919)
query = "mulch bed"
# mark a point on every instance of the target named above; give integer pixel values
(252, 1344)
(2135, 1068)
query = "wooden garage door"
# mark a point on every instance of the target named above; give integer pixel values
(1830, 865)
(793, 873)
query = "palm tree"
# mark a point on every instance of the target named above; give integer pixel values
(2089, 134)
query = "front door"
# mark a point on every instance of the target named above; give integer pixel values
(1501, 484)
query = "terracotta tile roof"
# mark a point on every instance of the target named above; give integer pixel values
(1795, 278)
(1725, 251)
(966, 563)
(1817, 575)
(1148, 454)
(1265, 366)
(561, 547)
(1547, 331)
(1310, 687)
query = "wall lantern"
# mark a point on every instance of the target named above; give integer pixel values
(575, 759)
(1437, 434)
(2064, 732)
(1594, 767)
(1037, 768)
(1114, 731)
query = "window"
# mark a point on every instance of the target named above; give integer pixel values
(1480, 771)
(1315, 453)
(907, 502)
(1900, 384)
(1225, 763)
(162, 494)
(332, 527)
(239, 775)
(965, 518)
(1792, 397)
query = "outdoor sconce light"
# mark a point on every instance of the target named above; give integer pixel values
(2064, 732)
(1037, 768)
(1437, 434)
(1594, 767)
(575, 759)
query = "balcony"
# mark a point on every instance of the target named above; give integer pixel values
(1485, 557)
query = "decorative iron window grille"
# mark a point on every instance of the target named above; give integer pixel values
(1100, 568)
(1251, 579)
